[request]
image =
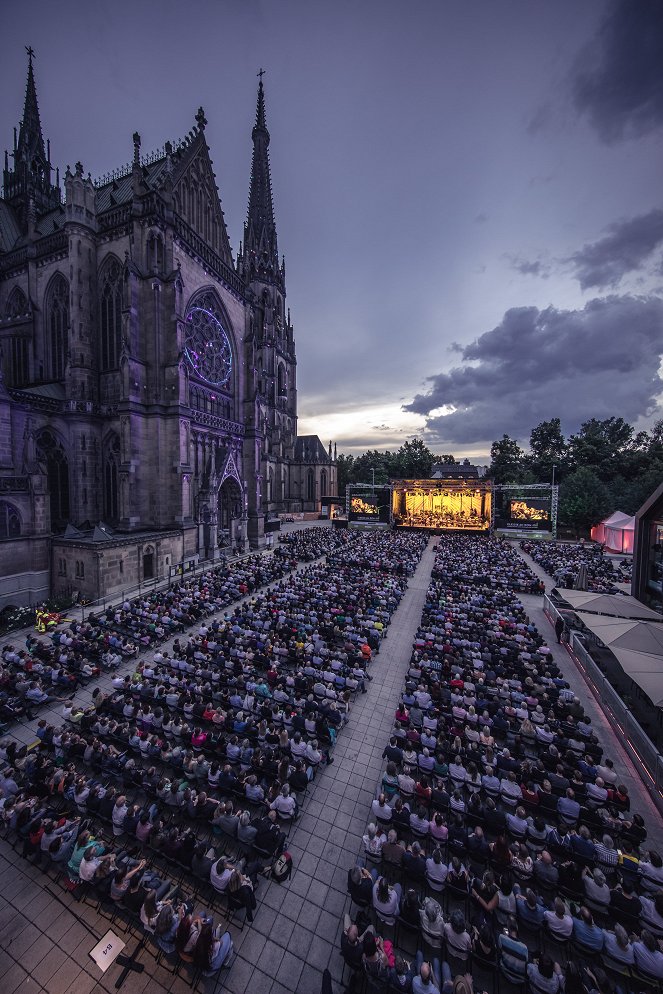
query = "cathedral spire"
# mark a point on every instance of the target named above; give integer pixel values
(30, 177)
(30, 138)
(261, 254)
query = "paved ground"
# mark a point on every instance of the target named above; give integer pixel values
(45, 940)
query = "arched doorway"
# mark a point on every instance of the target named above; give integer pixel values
(51, 453)
(230, 513)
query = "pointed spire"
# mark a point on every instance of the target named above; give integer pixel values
(260, 242)
(31, 172)
(30, 139)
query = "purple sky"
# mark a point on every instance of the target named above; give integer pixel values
(468, 193)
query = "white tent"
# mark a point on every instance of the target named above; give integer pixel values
(616, 532)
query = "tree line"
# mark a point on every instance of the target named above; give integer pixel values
(604, 467)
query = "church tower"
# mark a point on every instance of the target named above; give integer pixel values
(271, 416)
(28, 186)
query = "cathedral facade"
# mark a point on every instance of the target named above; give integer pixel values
(148, 396)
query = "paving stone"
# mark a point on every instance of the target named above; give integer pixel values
(65, 975)
(292, 906)
(238, 979)
(49, 965)
(282, 930)
(251, 945)
(270, 958)
(290, 971)
(310, 980)
(309, 915)
(264, 920)
(300, 942)
(317, 893)
(261, 983)
(13, 978)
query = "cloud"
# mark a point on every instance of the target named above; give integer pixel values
(529, 267)
(536, 364)
(618, 83)
(625, 247)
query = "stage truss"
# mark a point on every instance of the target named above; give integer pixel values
(540, 493)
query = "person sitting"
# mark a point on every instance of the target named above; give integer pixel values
(373, 841)
(376, 956)
(432, 923)
(436, 871)
(352, 949)
(386, 900)
(545, 976)
(457, 939)
(285, 804)
(586, 932)
(414, 863)
(648, 956)
(213, 948)
(240, 889)
(617, 946)
(513, 953)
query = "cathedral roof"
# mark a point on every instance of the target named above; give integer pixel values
(118, 188)
(10, 231)
(309, 448)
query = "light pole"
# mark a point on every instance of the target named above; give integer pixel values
(554, 467)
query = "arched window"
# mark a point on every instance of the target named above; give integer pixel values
(310, 485)
(15, 360)
(110, 314)
(10, 522)
(57, 325)
(207, 344)
(323, 483)
(51, 453)
(111, 487)
(282, 381)
(17, 304)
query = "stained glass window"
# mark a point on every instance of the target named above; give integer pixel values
(206, 345)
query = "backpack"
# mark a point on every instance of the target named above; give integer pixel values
(282, 867)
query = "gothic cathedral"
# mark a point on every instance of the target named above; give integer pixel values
(148, 395)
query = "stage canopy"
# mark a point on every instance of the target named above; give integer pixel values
(616, 532)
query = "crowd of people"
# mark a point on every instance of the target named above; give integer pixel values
(501, 837)
(199, 759)
(51, 668)
(563, 561)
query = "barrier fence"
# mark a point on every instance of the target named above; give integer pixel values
(646, 758)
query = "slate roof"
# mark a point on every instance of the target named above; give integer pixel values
(119, 191)
(309, 448)
(9, 228)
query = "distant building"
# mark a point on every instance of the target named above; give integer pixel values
(455, 471)
(148, 394)
(647, 577)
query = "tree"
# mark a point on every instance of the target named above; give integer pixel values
(548, 448)
(344, 471)
(602, 445)
(413, 460)
(584, 500)
(507, 461)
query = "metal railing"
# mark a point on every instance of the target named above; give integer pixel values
(647, 760)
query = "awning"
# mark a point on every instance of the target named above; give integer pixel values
(614, 605)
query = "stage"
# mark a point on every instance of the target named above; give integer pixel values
(442, 505)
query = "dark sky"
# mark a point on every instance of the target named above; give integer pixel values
(468, 192)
